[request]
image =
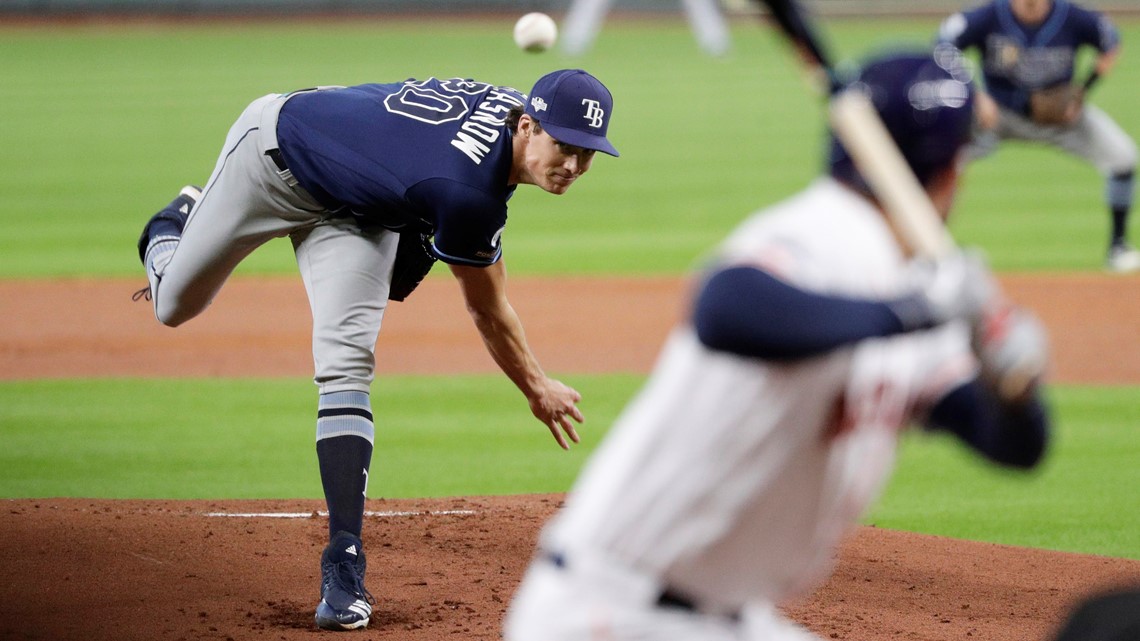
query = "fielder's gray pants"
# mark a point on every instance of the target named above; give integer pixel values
(1094, 136)
(247, 202)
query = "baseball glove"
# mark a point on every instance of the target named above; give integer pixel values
(1055, 105)
(413, 262)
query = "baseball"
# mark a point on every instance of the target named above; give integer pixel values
(535, 32)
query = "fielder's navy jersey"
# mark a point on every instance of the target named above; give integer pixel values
(433, 156)
(1019, 59)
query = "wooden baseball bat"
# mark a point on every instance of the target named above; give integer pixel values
(857, 125)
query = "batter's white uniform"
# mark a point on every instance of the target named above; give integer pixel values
(731, 481)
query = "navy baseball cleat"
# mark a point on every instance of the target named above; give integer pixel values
(170, 220)
(161, 234)
(345, 603)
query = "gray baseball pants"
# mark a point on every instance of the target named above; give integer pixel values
(249, 201)
(1094, 136)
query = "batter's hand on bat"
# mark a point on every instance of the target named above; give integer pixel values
(958, 286)
(555, 405)
(1012, 348)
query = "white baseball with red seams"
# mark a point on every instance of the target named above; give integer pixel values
(535, 32)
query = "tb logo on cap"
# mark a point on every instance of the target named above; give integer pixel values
(594, 112)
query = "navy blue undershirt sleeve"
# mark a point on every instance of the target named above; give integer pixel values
(1010, 434)
(747, 311)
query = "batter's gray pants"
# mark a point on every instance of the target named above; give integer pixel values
(246, 203)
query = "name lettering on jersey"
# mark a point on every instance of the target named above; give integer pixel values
(459, 85)
(594, 112)
(484, 126)
(1029, 67)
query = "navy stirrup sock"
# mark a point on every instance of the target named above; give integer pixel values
(344, 453)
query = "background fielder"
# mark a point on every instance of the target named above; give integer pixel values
(355, 177)
(1028, 50)
(769, 422)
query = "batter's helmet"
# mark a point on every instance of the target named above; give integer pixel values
(926, 101)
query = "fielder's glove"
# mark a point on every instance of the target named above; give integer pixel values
(1058, 105)
(413, 262)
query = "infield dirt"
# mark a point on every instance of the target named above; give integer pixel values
(95, 570)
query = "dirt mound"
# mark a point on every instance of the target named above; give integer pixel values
(91, 570)
(260, 327)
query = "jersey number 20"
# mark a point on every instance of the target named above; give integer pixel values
(434, 101)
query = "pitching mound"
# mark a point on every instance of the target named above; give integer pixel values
(93, 570)
(445, 569)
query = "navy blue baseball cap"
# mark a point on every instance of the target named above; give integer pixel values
(926, 101)
(574, 108)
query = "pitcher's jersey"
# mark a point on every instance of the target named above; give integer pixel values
(1018, 59)
(432, 154)
(732, 479)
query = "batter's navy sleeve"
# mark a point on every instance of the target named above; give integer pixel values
(1013, 435)
(747, 311)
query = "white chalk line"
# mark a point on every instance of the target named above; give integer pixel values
(147, 558)
(305, 515)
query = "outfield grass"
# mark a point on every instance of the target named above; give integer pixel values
(102, 124)
(1082, 498)
(473, 435)
(435, 436)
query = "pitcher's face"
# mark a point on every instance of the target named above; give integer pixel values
(549, 163)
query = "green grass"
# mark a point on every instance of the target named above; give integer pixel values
(103, 124)
(1082, 498)
(473, 435)
(435, 436)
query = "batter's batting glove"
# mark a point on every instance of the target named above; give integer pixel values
(959, 286)
(1012, 347)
